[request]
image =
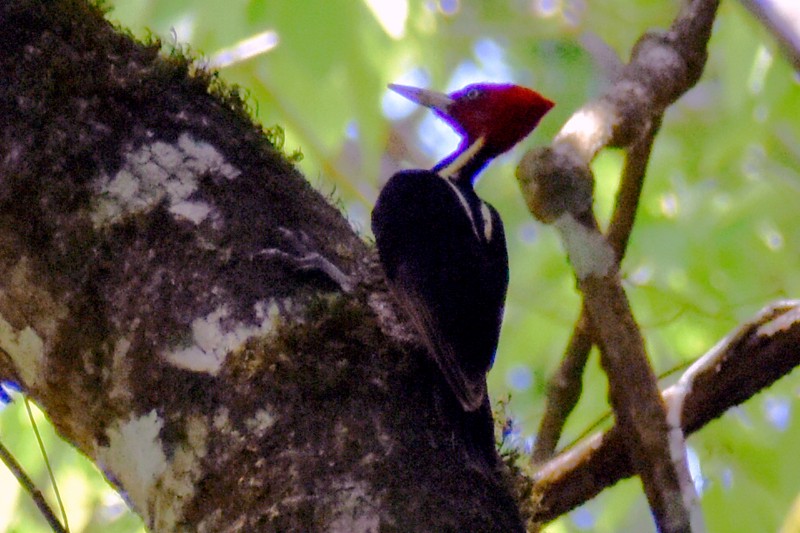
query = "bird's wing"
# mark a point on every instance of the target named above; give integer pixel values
(468, 387)
(440, 276)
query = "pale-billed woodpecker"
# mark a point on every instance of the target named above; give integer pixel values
(442, 248)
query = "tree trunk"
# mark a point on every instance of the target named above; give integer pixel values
(194, 317)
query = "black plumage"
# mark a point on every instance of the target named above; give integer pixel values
(443, 249)
(448, 268)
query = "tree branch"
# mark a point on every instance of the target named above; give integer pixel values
(782, 19)
(564, 198)
(564, 387)
(557, 185)
(27, 484)
(750, 359)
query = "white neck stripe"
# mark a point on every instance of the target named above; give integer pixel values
(465, 205)
(487, 222)
(451, 170)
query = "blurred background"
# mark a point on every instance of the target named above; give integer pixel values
(717, 236)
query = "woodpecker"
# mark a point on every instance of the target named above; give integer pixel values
(442, 248)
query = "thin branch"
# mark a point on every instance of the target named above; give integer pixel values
(565, 386)
(634, 396)
(27, 483)
(560, 192)
(563, 390)
(630, 190)
(558, 186)
(782, 20)
(50, 473)
(748, 360)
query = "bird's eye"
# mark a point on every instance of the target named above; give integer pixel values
(472, 94)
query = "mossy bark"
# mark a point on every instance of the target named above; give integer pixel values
(219, 386)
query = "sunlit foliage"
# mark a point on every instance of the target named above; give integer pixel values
(717, 236)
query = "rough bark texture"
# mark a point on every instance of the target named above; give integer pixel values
(150, 304)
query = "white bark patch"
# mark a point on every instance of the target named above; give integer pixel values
(662, 58)
(225, 429)
(356, 512)
(222, 421)
(26, 349)
(177, 486)
(260, 423)
(159, 171)
(193, 211)
(588, 250)
(135, 458)
(587, 130)
(29, 319)
(215, 337)
(120, 370)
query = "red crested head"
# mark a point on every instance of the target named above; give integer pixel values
(501, 114)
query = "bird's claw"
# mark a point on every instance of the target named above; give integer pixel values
(304, 257)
